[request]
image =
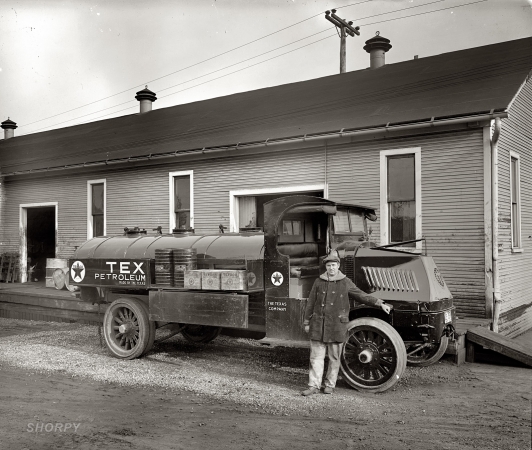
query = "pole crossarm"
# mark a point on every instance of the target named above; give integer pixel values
(345, 28)
(341, 23)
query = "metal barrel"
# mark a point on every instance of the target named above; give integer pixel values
(164, 266)
(184, 259)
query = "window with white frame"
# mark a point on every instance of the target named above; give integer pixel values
(181, 200)
(400, 197)
(515, 194)
(96, 208)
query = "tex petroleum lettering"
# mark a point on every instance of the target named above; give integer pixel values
(122, 271)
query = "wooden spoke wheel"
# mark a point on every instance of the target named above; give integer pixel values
(374, 356)
(127, 329)
(421, 355)
(200, 333)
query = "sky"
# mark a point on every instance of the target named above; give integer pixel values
(68, 62)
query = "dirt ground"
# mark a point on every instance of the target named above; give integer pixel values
(252, 402)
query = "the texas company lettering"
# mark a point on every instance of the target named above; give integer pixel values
(125, 272)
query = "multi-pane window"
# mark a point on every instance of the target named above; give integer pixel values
(96, 208)
(182, 201)
(515, 200)
(401, 198)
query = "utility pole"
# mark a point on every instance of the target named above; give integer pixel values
(345, 29)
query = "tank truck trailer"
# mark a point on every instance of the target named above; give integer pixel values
(257, 283)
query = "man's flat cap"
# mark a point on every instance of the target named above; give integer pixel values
(332, 257)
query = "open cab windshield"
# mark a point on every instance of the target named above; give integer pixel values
(349, 222)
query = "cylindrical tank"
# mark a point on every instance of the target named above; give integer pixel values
(220, 246)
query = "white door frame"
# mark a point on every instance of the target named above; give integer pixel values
(23, 229)
(233, 203)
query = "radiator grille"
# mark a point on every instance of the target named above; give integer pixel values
(386, 279)
(349, 269)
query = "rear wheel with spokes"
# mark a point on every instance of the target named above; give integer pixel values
(200, 333)
(127, 329)
(374, 355)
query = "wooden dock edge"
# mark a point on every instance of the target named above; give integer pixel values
(480, 336)
(26, 306)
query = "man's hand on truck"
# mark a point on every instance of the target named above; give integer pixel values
(386, 308)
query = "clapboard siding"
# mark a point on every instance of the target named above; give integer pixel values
(140, 196)
(516, 268)
(71, 195)
(2, 213)
(452, 197)
(452, 203)
(147, 201)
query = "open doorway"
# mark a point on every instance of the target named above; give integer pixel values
(247, 206)
(39, 229)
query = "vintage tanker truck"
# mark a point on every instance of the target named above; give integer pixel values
(257, 282)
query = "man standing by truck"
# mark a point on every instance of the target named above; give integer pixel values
(326, 318)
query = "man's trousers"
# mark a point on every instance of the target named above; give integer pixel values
(317, 362)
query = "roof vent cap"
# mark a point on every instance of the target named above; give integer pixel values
(377, 46)
(146, 98)
(9, 128)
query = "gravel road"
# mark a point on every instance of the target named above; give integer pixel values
(443, 406)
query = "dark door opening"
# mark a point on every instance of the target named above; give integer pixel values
(251, 207)
(40, 238)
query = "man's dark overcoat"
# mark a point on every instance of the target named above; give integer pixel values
(327, 310)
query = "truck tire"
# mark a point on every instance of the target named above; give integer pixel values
(200, 333)
(127, 328)
(427, 355)
(374, 355)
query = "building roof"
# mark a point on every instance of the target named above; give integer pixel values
(453, 84)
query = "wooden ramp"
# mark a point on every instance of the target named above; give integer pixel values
(500, 344)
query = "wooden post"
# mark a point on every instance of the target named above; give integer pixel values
(342, 49)
(470, 352)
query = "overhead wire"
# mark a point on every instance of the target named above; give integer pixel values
(384, 96)
(192, 65)
(256, 56)
(196, 78)
(203, 61)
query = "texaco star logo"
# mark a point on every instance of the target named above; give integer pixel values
(77, 272)
(252, 278)
(277, 278)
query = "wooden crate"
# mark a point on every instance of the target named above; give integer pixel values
(234, 280)
(52, 264)
(56, 263)
(192, 279)
(211, 279)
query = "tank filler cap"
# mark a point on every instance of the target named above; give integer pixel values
(135, 231)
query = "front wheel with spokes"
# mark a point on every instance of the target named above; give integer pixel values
(424, 354)
(374, 355)
(127, 328)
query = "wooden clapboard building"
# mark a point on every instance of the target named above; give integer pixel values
(421, 140)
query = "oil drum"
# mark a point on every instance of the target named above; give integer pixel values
(164, 266)
(184, 259)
